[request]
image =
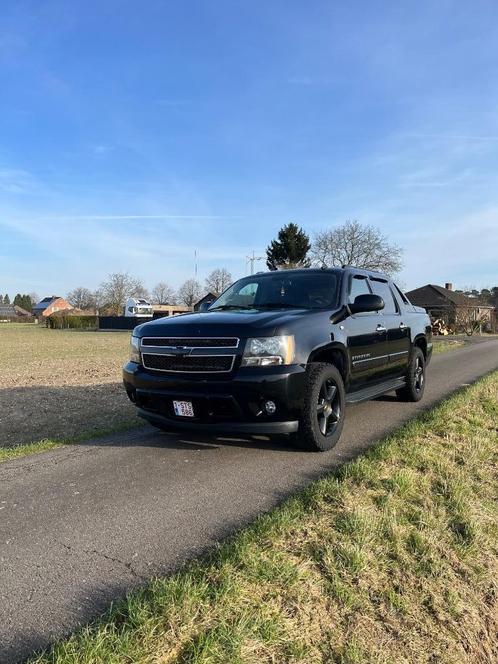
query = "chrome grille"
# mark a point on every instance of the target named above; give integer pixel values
(191, 342)
(188, 363)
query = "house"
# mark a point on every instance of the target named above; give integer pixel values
(50, 305)
(10, 311)
(451, 307)
(208, 298)
(165, 310)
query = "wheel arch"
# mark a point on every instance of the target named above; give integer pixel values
(335, 354)
(421, 342)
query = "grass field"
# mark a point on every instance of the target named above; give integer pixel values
(60, 385)
(391, 560)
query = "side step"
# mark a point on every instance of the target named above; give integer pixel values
(375, 390)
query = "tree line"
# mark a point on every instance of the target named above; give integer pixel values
(352, 243)
(119, 286)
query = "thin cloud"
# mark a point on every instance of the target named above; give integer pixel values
(453, 137)
(135, 217)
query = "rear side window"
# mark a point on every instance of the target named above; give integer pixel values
(358, 286)
(382, 288)
(401, 294)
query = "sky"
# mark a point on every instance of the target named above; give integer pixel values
(133, 135)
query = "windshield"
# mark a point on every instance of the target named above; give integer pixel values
(280, 290)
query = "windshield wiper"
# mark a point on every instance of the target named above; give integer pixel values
(280, 305)
(223, 307)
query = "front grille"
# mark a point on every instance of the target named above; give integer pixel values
(192, 342)
(189, 364)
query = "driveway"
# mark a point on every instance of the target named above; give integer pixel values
(82, 525)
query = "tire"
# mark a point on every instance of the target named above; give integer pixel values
(415, 378)
(322, 417)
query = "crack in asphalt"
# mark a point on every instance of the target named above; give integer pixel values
(106, 556)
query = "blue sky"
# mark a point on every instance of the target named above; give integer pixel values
(132, 134)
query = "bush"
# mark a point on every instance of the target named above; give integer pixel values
(72, 322)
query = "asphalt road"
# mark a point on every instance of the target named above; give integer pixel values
(81, 525)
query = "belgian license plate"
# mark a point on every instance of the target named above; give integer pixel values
(183, 408)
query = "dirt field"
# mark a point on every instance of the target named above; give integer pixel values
(60, 384)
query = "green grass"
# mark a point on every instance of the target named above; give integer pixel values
(17, 451)
(393, 559)
(446, 345)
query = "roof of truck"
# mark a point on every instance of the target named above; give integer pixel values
(344, 268)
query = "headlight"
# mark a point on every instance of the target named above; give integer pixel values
(266, 351)
(135, 350)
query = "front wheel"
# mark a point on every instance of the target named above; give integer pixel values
(322, 418)
(415, 378)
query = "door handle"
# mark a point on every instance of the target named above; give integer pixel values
(380, 328)
(402, 326)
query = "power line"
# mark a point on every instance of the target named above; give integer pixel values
(252, 259)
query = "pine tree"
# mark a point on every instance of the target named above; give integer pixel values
(18, 300)
(1, 298)
(6, 299)
(289, 250)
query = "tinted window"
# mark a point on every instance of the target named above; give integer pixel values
(382, 288)
(358, 286)
(303, 290)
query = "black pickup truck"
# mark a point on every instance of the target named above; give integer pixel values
(281, 353)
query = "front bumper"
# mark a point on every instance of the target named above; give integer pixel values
(227, 405)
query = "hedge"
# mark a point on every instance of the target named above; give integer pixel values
(72, 322)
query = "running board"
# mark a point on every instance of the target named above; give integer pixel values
(375, 390)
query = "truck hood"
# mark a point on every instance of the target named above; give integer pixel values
(243, 323)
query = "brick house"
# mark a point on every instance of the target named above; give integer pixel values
(447, 305)
(50, 305)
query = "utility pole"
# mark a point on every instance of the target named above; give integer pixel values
(252, 259)
(195, 260)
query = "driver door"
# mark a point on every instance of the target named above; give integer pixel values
(367, 340)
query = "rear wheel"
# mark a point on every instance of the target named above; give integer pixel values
(415, 378)
(322, 418)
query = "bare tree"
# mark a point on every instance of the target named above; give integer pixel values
(358, 245)
(34, 298)
(162, 293)
(189, 292)
(81, 298)
(218, 280)
(98, 299)
(118, 288)
(470, 319)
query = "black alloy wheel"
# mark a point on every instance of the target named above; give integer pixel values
(322, 417)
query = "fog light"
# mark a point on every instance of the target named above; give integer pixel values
(270, 407)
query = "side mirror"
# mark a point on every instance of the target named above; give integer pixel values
(365, 303)
(205, 305)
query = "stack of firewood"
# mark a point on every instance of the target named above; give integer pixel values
(440, 327)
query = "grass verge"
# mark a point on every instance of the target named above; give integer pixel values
(444, 346)
(16, 451)
(391, 559)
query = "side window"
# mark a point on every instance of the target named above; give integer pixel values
(382, 288)
(401, 294)
(358, 286)
(245, 296)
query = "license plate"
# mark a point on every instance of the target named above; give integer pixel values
(183, 408)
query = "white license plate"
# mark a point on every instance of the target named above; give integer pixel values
(183, 408)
